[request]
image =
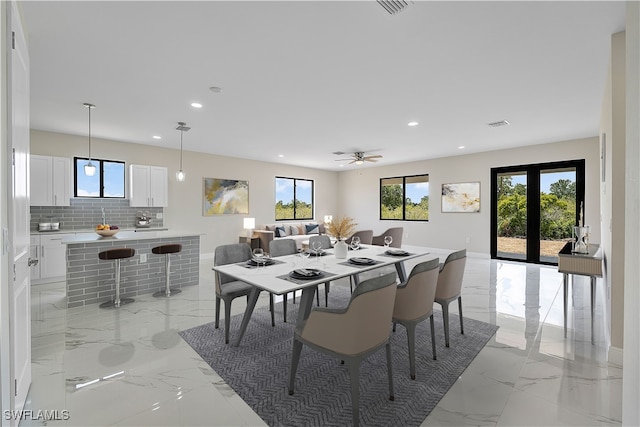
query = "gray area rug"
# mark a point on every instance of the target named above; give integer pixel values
(258, 370)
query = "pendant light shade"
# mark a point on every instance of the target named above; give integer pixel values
(182, 127)
(89, 168)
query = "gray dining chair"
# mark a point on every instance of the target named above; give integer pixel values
(450, 287)
(366, 237)
(414, 303)
(324, 240)
(282, 247)
(351, 333)
(395, 232)
(228, 288)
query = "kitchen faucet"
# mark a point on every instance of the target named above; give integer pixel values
(104, 217)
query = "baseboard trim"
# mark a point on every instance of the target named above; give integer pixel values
(615, 356)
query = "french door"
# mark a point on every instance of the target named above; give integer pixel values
(534, 208)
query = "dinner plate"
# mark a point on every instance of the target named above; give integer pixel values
(396, 252)
(305, 273)
(361, 261)
(263, 261)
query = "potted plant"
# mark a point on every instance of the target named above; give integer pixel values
(340, 229)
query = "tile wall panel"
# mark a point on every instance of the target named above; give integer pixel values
(84, 214)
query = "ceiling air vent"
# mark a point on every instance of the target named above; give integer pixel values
(394, 6)
(498, 124)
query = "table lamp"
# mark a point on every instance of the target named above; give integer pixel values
(249, 224)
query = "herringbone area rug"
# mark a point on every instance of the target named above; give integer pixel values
(258, 370)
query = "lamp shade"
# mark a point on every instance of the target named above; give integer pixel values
(249, 223)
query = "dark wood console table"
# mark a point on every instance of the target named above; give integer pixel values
(589, 264)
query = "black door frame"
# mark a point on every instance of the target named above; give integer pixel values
(533, 204)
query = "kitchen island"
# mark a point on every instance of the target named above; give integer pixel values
(91, 280)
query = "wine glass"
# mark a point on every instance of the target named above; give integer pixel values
(355, 243)
(258, 256)
(387, 241)
(317, 247)
(305, 254)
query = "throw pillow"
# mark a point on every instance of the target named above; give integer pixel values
(280, 232)
(294, 230)
(312, 229)
(271, 228)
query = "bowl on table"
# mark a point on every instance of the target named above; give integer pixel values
(107, 233)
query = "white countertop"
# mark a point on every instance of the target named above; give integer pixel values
(90, 230)
(126, 235)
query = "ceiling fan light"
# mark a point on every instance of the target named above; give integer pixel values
(89, 169)
(359, 162)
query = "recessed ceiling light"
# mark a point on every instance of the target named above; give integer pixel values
(280, 155)
(157, 137)
(196, 105)
(461, 147)
(215, 89)
(341, 166)
(412, 124)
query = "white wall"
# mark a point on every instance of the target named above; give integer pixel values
(358, 192)
(631, 373)
(185, 199)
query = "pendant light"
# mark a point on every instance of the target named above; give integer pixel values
(89, 168)
(182, 127)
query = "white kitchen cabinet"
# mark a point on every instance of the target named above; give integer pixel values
(50, 181)
(52, 258)
(148, 186)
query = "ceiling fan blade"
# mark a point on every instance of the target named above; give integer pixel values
(353, 161)
(377, 156)
(342, 160)
(367, 159)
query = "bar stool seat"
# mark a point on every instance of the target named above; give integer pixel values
(167, 250)
(116, 254)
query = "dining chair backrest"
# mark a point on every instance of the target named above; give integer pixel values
(366, 237)
(451, 274)
(281, 247)
(323, 239)
(364, 324)
(395, 232)
(229, 254)
(416, 295)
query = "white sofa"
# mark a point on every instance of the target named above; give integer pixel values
(298, 231)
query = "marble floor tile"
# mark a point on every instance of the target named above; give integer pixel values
(129, 367)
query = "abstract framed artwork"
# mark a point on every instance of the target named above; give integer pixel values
(225, 197)
(461, 197)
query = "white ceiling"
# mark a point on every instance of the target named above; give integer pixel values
(305, 79)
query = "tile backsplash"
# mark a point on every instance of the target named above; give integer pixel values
(85, 214)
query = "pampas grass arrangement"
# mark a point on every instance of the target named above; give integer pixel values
(341, 228)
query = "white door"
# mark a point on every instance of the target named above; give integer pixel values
(20, 295)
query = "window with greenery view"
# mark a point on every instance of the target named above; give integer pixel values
(405, 198)
(294, 198)
(108, 181)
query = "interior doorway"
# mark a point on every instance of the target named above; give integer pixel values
(534, 208)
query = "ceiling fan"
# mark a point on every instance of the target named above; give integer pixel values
(358, 157)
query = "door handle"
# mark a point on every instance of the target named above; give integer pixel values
(32, 262)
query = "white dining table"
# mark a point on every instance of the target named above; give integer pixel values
(275, 278)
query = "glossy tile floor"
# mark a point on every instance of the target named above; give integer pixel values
(128, 367)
